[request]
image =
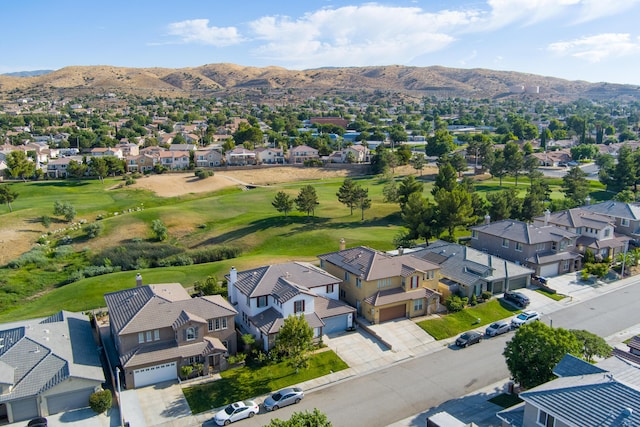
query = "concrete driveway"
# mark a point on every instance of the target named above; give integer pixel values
(159, 404)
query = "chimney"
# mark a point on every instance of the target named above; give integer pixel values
(138, 280)
(487, 219)
(400, 250)
(587, 201)
(547, 217)
(233, 278)
(343, 244)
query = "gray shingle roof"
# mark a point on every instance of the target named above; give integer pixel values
(327, 307)
(615, 209)
(370, 264)
(395, 295)
(578, 217)
(262, 281)
(270, 321)
(469, 266)
(570, 366)
(38, 354)
(523, 232)
(167, 350)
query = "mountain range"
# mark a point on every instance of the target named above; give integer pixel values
(280, 84)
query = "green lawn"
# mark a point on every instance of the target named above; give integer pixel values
(554, 296)
(455, 323)
(248, 382)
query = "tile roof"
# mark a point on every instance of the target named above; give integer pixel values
(326, 307)
(38, 354)
(167, 350)
(523, 232)
(578, 217)
(270, 321)
(395, 295)
(616, 209)
(469, 266)
(370, 264)
(157, 306)
(263, 281)
(570, 366)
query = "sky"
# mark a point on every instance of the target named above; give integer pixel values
(591, 40)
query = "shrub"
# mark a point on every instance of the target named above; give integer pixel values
(175, 260)
(100, 401)
(474, 300)
(136, 254)
(238, 358)
(159, 230)
(486, 295)
(46, 221)
(129, 181)
(93, 230)
(218, 253)
(185, 371)
(202, 174)
(454, 303)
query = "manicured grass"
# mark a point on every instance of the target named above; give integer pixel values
(455, 323)
(248, 382)
(505, 400)
(552, 295)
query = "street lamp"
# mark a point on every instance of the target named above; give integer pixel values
(119, 396)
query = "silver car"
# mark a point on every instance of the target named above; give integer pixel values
(284, 397)
(497, 328)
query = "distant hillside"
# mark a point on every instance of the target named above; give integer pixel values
(275, 83)
(28, 73)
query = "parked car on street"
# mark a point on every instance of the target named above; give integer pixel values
(517, 298)
(284, 397)
(497, 328)
(468, 338)
(539, 281)
(236, 411)
(524, 318)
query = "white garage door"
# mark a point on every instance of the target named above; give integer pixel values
(550, 270)
(155, 374)
(24, 409)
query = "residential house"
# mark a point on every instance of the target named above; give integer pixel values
(466, 271)
(267, 295)
(47, 365)
(106, 151)
(183, 147)
(355, 154)
(128, 149)
(595, 231)
(547, 249)
(240, 156)
(175, 160)
(158, 329)
(606, 394)
(626, 216)
(382, 286)
(298, 155)
(208, 158)
(142, 162)
(270, 156)
(57, 168)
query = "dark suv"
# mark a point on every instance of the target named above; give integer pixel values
(517, 298)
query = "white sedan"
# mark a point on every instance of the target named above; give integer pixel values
(236, 411)
(524, 318)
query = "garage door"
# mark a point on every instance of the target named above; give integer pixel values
(550, 270)
(334, 324)
(155, 374)
(24, 409)
(392, 313)
(69, 401)
(518, 283)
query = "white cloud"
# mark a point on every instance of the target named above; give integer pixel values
(357, 35)
(595, 9)
(199, 31)
(598, 47)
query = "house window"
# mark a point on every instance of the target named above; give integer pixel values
(567, 264)
(221, 323)
(545, 419)
(518, 246)
(346, 276)
(607, 232)
(417, 305)
(262, 301)
(148, 336)
(210, 325)
(140, 337)
(474, 234)
(414, 282)
(540, 247)
(156, 334)
(358, 282)
(330, 288)
(624, 222)
(343, 293)
(505, 243)
(298, 306)
(579, 230)
(384, 283)
(191, 334)
(554, 246)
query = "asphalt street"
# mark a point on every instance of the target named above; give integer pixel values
(388, 395)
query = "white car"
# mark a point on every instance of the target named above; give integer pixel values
(524, 318)
(236, 411)
(497, 328)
